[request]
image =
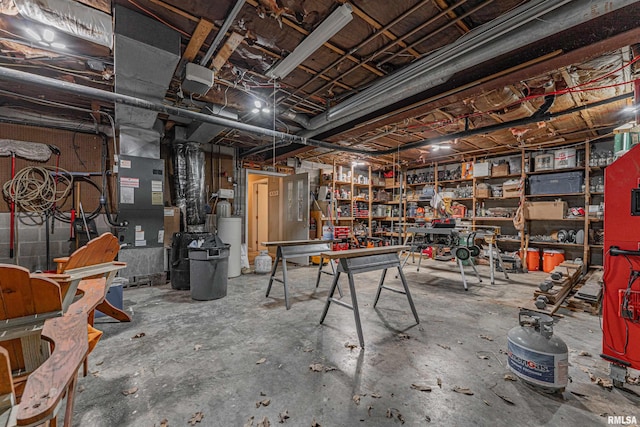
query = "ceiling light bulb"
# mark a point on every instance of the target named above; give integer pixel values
(257, 103)
(44, 43)
(255, 110)
(48, 35)
(33, 34)
(435, 148)
(58, 45)
(266, 110)
(445, 146)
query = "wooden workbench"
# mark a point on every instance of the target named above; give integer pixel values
(354, 261)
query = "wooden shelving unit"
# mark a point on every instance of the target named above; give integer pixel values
(581, 199)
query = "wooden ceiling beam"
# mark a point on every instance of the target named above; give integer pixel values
(377, 26)
(442, 4)
(200, 34)
(328, 45)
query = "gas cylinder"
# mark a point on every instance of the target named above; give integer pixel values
(536, 355)
(263, 263)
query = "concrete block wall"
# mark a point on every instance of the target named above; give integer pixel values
(30, 249)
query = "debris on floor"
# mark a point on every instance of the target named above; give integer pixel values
(196, 418)
(356, 399)
(261, 361)
(138, 335)
(264, 422)
(130, 391)
(420, 387)
(265, 402)
(463, 390)
(284, 416)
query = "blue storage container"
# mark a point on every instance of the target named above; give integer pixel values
(115, 298)
(556, 183)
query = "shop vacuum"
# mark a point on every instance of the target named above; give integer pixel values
(537, 356)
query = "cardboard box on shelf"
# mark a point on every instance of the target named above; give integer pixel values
(483, 193)
(500, 170)
(511, 190)
(171, 224)
(545, 210)
(467, 170)
(389, 182)
(482, 169)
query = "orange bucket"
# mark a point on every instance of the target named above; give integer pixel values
(551, 258)
(533, 259)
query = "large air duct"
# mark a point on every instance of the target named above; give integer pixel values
(146, 54)
(532, 21)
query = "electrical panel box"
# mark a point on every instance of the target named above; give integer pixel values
(225, 193)
(141, 201)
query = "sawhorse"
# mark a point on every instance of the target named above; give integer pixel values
(354, 261)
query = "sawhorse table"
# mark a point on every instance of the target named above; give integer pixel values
(354, 261)
(287, 249)
(452, 235)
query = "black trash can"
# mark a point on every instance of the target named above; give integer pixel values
(180, 258)
(208, 266)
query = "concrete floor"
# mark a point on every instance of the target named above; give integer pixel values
(205, 357)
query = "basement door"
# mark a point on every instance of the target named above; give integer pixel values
(296, 210)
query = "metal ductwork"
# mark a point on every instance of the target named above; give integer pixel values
(146, 54)
(532, 21)
(205, 132)
(70, 17)
(285, 138)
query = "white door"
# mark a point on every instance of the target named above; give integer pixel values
(262, 214)
(296, 210)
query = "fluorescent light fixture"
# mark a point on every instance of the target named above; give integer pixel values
(58, 45)
(329, 27)
(257, 103)
(255, 110)
(48, 35)
(266, 110)
(630, 109)
(33, 34)
(357, 163)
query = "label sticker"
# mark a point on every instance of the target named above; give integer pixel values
(156, 197)
(127, 195)
(156, 185)
(129, 182)
(125, 164)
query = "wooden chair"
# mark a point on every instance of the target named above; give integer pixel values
(8, 405)
(101, 250)
(44, 346)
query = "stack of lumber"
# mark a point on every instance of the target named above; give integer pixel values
(588, 295)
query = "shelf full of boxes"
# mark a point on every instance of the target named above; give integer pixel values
(561, 191)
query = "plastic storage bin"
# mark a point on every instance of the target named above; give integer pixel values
(556, 183)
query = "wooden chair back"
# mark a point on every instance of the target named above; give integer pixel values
(103, 248)
(23, 296)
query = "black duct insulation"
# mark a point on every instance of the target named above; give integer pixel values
(195, 185)
(180, 179)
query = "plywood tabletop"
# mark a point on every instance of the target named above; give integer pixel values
(296, 242)
(356, 253)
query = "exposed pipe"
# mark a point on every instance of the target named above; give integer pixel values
(93, 93)
(223, 31)
(464, 134)
(504, 34)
